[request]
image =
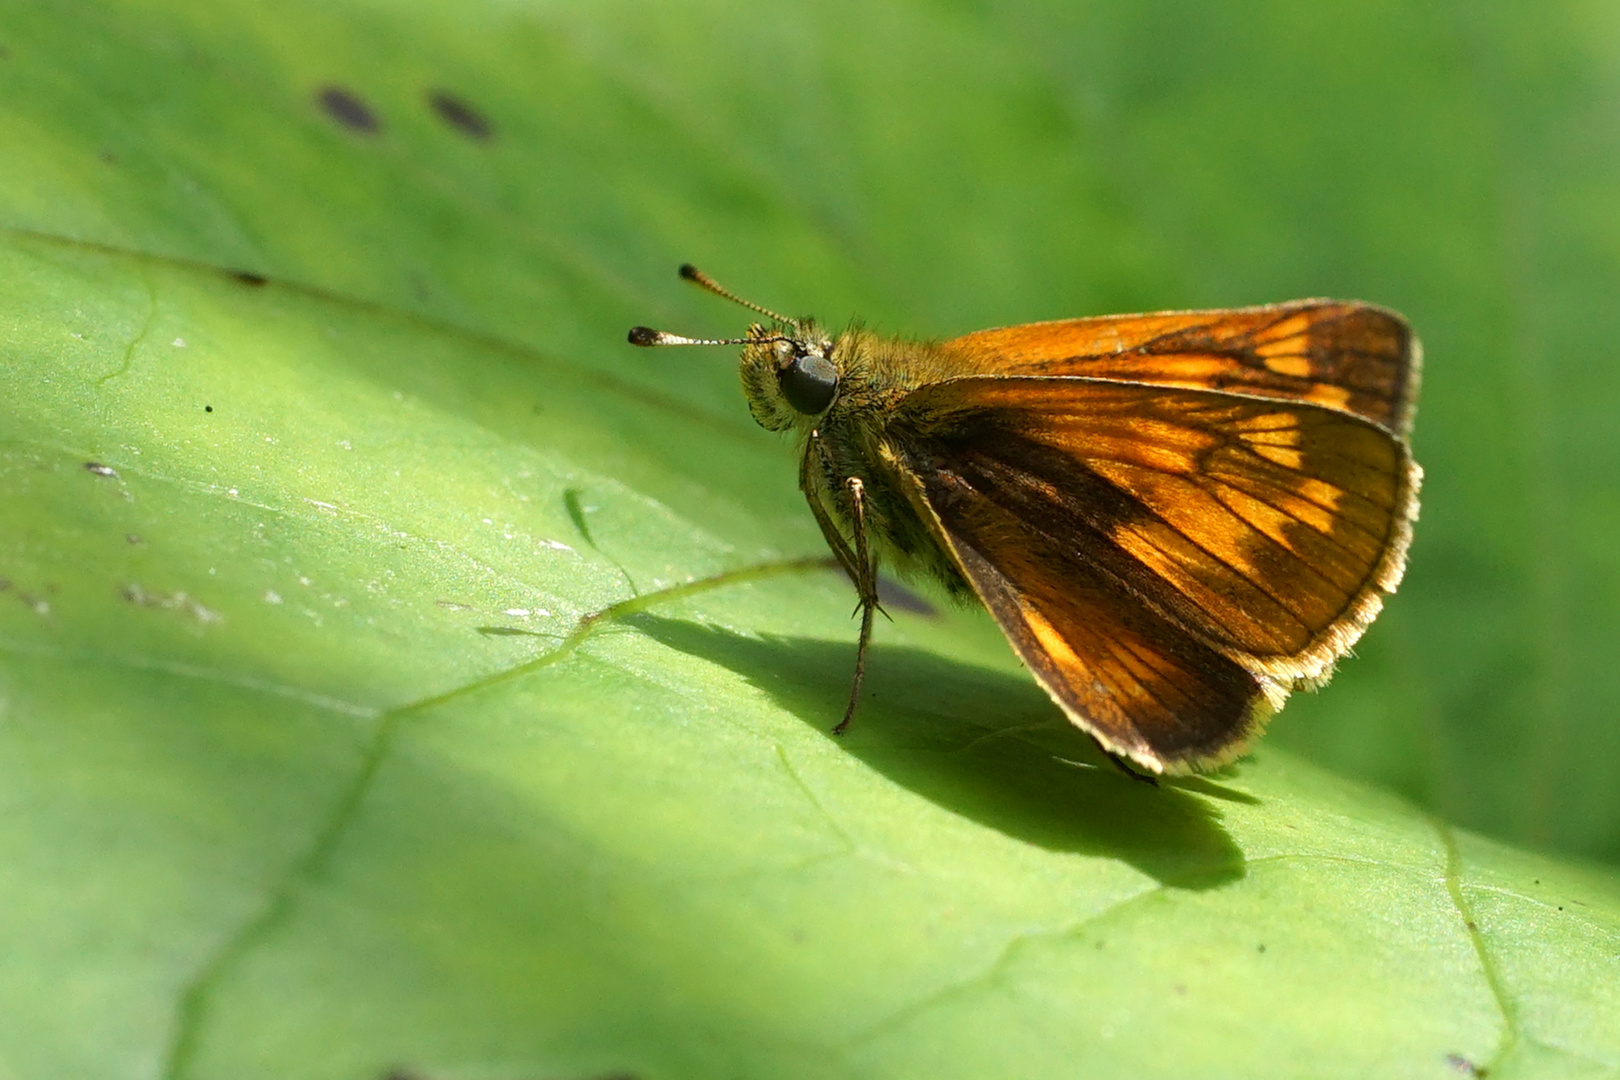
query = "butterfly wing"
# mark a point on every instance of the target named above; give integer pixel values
(1351, 356)
(1144, 688)
(1169, 561)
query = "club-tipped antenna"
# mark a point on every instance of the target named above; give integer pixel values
(698, 277)
(646, 337)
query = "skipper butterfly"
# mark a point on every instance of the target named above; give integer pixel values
(1175, 518)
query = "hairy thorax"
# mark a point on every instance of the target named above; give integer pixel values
(859, 435)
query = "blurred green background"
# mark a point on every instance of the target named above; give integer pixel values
(455, 205)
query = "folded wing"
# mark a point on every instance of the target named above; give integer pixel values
(1169, 561)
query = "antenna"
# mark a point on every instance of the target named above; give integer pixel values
(699, 278)
(647, 337)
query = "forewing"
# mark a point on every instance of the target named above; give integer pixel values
(1267, 530)
(1342, 355)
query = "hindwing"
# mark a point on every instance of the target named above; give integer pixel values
(1169, 561)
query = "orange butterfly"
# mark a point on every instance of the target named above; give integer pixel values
(1175, 518)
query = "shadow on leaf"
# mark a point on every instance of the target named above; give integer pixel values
(981, 743)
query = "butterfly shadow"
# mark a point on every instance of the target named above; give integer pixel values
(985, 744)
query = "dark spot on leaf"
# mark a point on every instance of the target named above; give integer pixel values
(208, 408)
(461, 115)
(131, 538)
(99, 469)
(248, 277)
(35, 603)
(1464, 1066)
(419, 286)
(510, 631)
(347, 109)
(1262, 947)
(108, 157)
(1472, 925)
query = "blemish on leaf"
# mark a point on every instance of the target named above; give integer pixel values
(1464, 1066)
(510, 631)
(35, 603)
(461, 115)
(248, 277)
(133, 540)
(208, 408)
(175, 601)
(100, 470)
(347, 109)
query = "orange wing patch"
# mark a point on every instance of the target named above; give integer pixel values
(1267, 530)
(1353, 357)
(1143, 688)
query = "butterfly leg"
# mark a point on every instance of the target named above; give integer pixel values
(866, 586)
(1125, 767)
(829, 531)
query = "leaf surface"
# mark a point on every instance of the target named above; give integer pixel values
(319, 447)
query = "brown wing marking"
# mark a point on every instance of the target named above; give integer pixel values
(1344, 355)
(1143, 688)
(1268, 530)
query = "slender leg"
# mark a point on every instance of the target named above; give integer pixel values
(829, 531)
(1125, 767)
(866, 586)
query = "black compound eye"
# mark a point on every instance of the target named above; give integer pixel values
(808, 383)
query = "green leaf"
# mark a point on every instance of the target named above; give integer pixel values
(320, 448)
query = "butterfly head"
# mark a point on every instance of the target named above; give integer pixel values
(788, 371)
(788, 374)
